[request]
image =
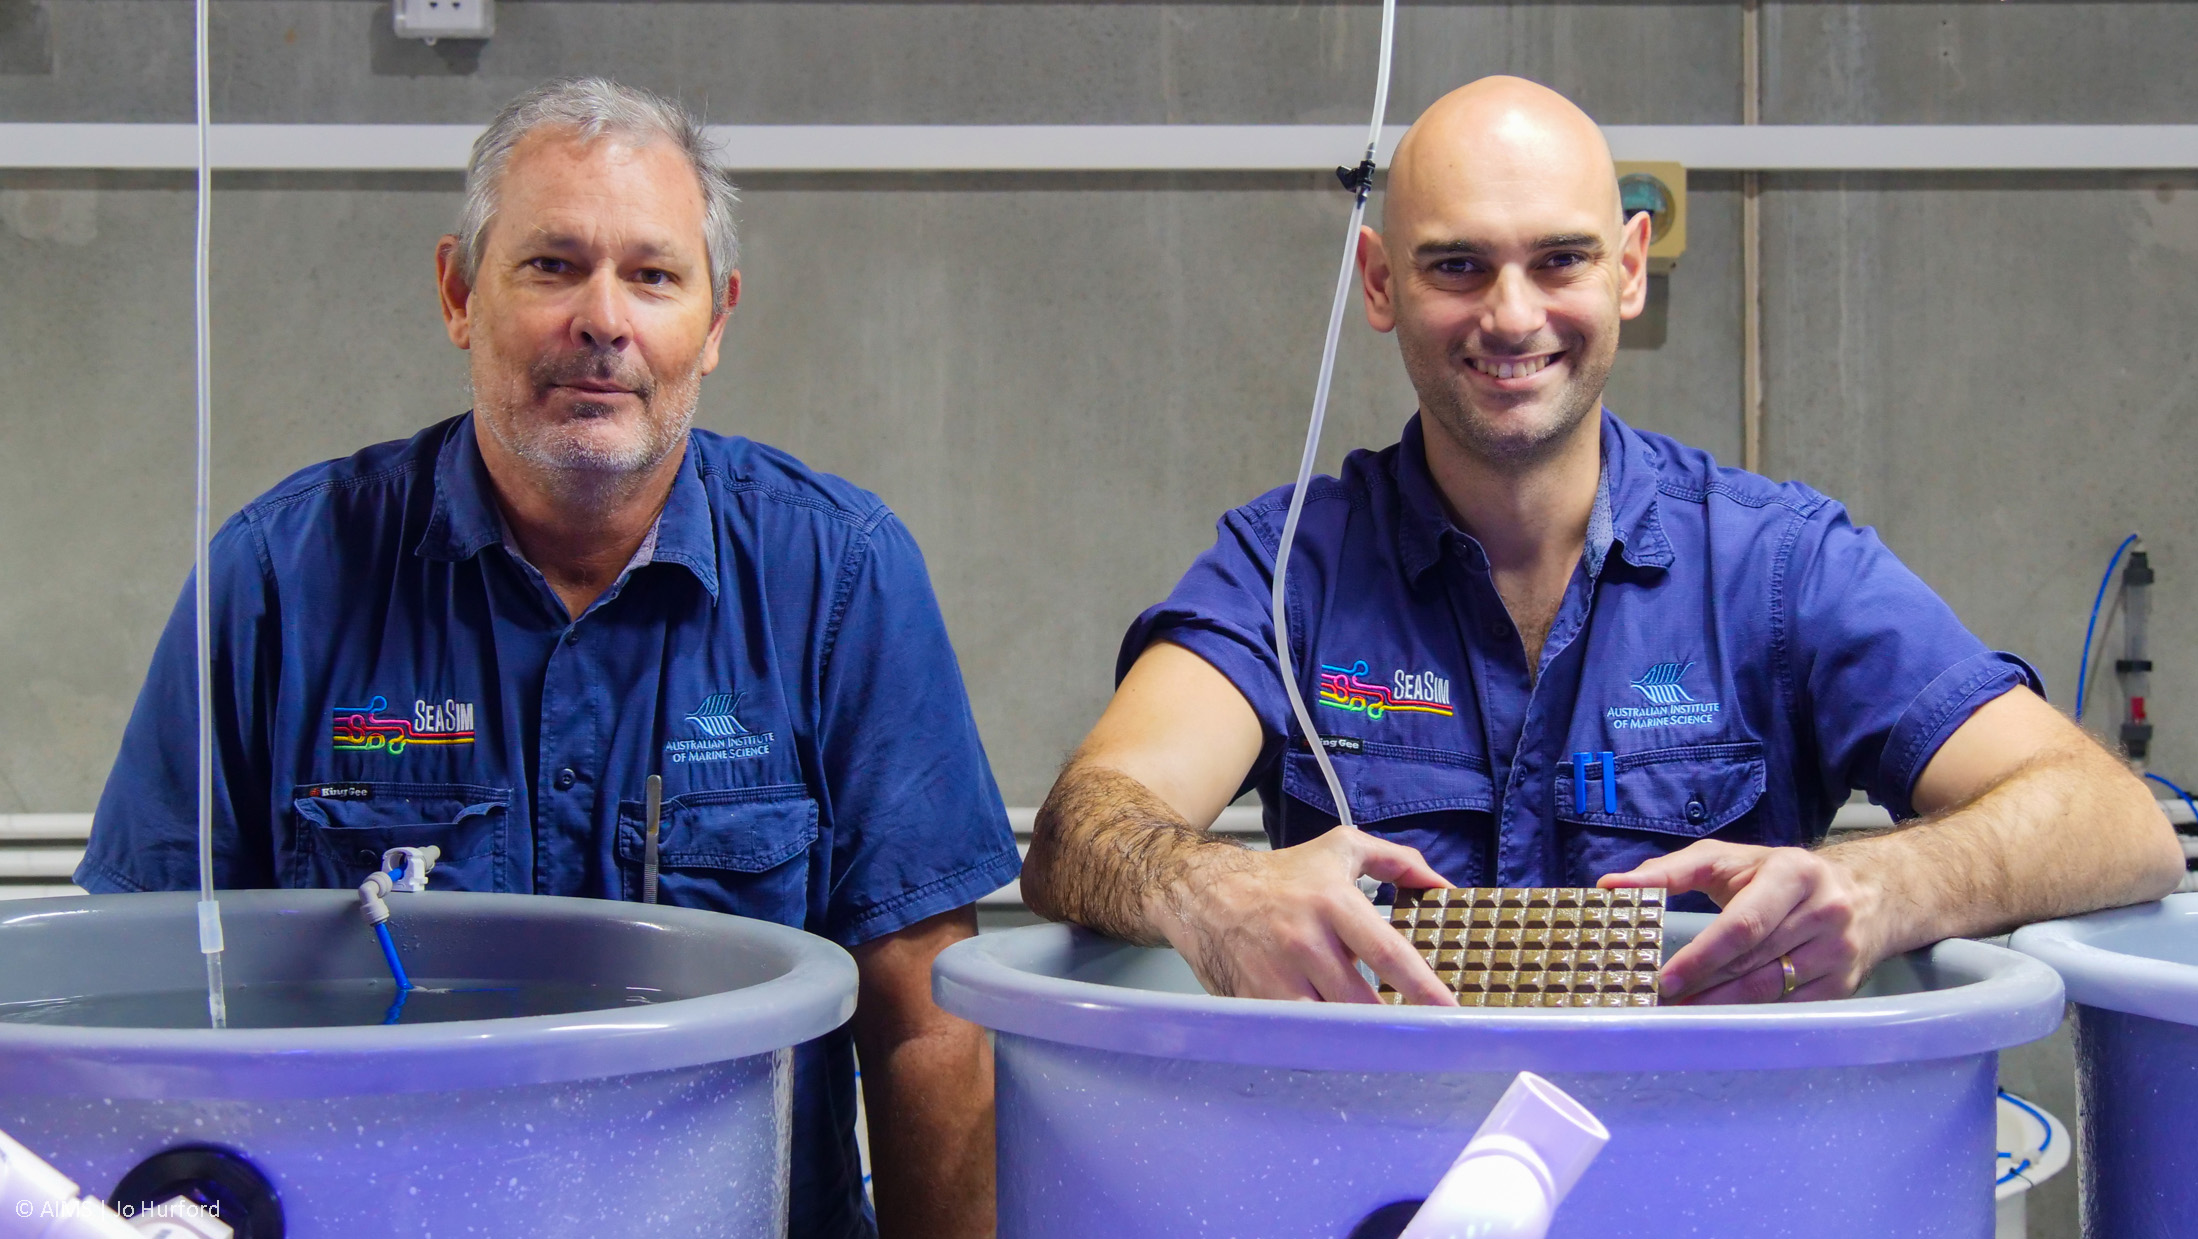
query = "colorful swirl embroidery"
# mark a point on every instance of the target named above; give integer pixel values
(365, 729)
(1347, 688)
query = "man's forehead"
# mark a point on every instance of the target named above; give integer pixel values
(559, 189)
(1486, 213)
(1503, 155)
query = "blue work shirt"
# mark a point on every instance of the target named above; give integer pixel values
(1743, 653)
(390, 672)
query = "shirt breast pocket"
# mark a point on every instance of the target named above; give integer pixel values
(1665, 799)
(742, 851)
(1428, 799)
(343, 830)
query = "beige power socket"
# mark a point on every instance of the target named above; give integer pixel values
(1660, 188)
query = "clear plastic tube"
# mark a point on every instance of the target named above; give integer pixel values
(209, 911)
(1364, 186)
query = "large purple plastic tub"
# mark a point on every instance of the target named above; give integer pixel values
(670, 1118)
(1132, 1103)
(2132, 974)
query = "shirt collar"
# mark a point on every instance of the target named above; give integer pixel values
(1624, 515)
(465, 517)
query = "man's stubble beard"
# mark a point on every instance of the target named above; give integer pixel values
(582, 471)
(1434, 377)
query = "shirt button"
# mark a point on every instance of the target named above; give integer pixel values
(572, 635)
(566, 778)
(368, 856)
(1697, 812)
(1498, 630)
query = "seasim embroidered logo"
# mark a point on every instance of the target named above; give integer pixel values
(373, 728)
(722, 737)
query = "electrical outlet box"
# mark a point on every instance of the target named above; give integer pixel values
(1660, 189)
(445, 19)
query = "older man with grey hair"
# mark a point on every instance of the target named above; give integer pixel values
(490, 636)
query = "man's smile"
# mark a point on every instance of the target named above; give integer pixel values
(1514, 370)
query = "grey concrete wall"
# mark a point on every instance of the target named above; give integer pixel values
(1061, 380)
(1116, 358)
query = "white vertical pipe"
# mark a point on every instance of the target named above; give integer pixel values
(1751, 246)
(209, 912)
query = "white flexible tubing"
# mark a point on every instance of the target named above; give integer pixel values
(39, 1202)
(1279, 599)
(1517, 1169)
(209, 912)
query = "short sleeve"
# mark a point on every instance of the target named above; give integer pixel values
(1222, 611)
(918, 824)
(145, 830)
(1887, 672)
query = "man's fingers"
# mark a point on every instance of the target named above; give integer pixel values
(1396, 864)
(1820, 965)
(1332, 973)
(1700, 866)
(1393, 959)
(1761, 985)
(1756, 912)
(1711, 866)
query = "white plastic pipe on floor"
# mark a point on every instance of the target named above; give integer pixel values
(1516, 1170)
(39, 1202)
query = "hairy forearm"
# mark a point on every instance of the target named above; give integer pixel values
(2068, 832)
(931, 1145)
(1110, 855)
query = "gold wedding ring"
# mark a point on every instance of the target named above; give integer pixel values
(1786, 982)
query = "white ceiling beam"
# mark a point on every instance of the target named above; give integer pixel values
(1122, 148)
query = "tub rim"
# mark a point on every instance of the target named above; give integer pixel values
(814, 995)
(2113, 980)
(2012, 999)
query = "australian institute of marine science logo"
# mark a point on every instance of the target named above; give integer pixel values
(369, 728)
(1410, 692)
(723, 737)
(1664, 687)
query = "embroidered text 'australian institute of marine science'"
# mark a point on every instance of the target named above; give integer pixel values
(1670, 704)
(723, 738)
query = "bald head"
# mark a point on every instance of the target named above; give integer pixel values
(1504, 266)
(1496, 135)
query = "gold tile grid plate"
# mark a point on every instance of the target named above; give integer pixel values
(1537, 946)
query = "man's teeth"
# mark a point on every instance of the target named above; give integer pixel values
(1515, 368)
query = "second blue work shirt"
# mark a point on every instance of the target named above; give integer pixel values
(390, 672)
(1731, 658)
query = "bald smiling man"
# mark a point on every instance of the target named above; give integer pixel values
(1546, 649)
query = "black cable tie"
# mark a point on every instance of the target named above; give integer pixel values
(1358, 180)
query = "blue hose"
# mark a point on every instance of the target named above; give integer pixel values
(389, 952)
(2177, 790)
(2043, 1121)
(2083, 669)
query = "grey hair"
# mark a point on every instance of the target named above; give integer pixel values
(597, 107)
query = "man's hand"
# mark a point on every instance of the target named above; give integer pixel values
(2027, 819)
(1791, 902)
(1291, 923)
(1122, 847)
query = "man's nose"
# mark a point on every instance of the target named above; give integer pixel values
(599, 321)
(1515, 310)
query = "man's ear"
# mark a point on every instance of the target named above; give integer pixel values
(1374, 278)
(718, 319)
(1633, 247)
(455, 292)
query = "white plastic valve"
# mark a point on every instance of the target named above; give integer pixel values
(1515, 1171)
(409, 867)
